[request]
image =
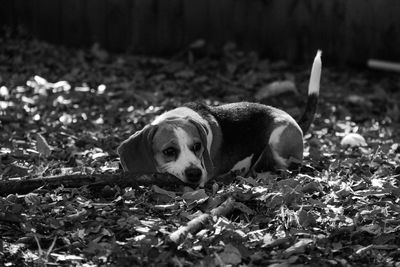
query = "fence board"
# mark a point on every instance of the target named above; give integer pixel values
(195, 20)
(169, 25)
(96, 20)
(238, 19)
(118, 16)
(144, 29)
(389, 27)
(73, 23)
(23, 13)
(220, 22)
(253, 31)
(6, 13)
(275, 29)
(46, 23)
(347, 31)
(370, 31)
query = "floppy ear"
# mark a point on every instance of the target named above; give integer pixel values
(136, 152)
(206, 154)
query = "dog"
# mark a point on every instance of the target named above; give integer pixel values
(197, 142)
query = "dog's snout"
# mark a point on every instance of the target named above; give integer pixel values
(193, 174)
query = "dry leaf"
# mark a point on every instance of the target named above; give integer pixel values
(231, 255)
(353, 140)
(42, 146)
(276, 88)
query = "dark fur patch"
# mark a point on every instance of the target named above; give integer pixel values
(308, 115)
(245, 129)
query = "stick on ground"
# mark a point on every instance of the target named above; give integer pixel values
(199, 222)
(26, 185)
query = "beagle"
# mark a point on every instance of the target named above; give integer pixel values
(196, 142)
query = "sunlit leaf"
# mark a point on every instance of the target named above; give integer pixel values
(298, 247)
(66, 119)
(353, 140)
(161, 191)
(42, 146)
(195, 195)
(276, 88)
(4, 91)
(231, 255)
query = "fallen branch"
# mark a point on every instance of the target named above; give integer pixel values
(383, 65)
(199, 222)
(26, 185)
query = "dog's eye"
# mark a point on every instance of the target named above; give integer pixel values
(169, 152)
(196, 147)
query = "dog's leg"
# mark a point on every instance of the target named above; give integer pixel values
(286, 143)
(265, 162)
(284, 151)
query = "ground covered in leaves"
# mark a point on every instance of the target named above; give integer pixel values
(64, 111)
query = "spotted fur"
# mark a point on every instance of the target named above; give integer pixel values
(208, 141)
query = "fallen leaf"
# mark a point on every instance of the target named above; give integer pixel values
(353, 140)
(276, 88)
(195, 195)
(99, 53)
(298, 247)
(42, 146)
(243, 208)
(306, 219)
(4, 92)
(66, 119)
(161, 191)
(231, 255)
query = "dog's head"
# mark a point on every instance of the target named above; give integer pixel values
(177, 146)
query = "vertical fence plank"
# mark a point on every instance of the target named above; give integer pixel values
(246, 23)
(46, 23)
(303, 30)
(23, 14)
(360, 25)
(74, 26)
(291, 29)
(169, 26)
(6, 12)
(118, 16)
(220, 19)
(274, 29)
(195, 20)
(96, 20)
(386, 34)
(253, 30)
(238, 18)
(333, 30)
(144, 26)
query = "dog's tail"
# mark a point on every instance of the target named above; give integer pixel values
(313, 93)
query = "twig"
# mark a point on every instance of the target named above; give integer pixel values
(25, 185)
(383, 65)
(199, 222)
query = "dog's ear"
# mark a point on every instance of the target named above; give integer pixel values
(136, 152)
(202, 129)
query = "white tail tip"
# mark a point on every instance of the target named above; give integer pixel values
(315, 78)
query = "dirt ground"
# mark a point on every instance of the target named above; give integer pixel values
(64, 111)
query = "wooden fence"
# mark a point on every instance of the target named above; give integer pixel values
(347, 30)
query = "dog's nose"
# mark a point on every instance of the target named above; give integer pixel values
(193, 174)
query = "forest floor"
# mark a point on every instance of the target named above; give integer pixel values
(64, 111)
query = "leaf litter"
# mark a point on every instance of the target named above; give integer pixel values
(65, 111)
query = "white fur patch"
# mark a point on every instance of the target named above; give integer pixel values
(285, 118)
(185, 159)
(243, 165)
(185, 112)
(274, 140)
(315, 77)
